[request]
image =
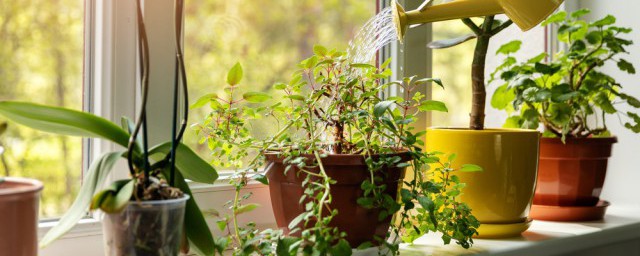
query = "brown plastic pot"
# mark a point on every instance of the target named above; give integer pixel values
(572, 174)
(19, 202)
(349, 171)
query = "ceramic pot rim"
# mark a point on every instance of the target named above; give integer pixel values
(340, 159)
(27, 186)
(484, 131)
(602, 140)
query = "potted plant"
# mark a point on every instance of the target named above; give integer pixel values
(500, 196)
(19, 204)
(336, 161)
(145, 214)
(570, 98)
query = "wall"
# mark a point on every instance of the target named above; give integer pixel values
(621, 186)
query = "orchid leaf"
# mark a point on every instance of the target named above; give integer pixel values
(195, 225)
(94, 178)
(63, 121)
(191, 165)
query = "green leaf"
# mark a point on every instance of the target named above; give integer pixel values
(256, 97)
(447, 43)
(381, 107)
(246, 208)
(631, 126)
(452, 157)
(502, 97)
(204, 100)
(128, 125)
(509, 47)
(294, 223)
(279, 86)
(560, 113)
(624, 65)
(192, 166)
(558, 17)
(602, 100)
(114, 198)
(470, 168)
(543, 95)
(235, 74)
(512, 122)
(537, 58)
(261, 178)
(63, 121)
(195, 226)
(433, 105)
(608, 20)
(93, 180)
(547, 69)
(426, 203)
(530, 119)
(426, 80)
(222, 224)
(630, 100)
(580, 13)
(283, 248)
(319, 50)
(295, 97)
(341, 249)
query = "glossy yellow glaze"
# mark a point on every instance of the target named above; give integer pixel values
(503, 230)
(503, 192)
(524, 13)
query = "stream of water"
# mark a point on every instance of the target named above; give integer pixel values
(376, 33)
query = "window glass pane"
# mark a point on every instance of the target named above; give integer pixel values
(268, 37)
(41, 60)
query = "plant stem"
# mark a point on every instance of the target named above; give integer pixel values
(144, 83)
(236, 201)
(178, 74)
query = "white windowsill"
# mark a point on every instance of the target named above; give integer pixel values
(618, 233)
(620, 230)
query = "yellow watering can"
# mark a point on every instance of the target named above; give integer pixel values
(524, 13)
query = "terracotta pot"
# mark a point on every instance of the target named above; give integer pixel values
(572, 174)
(360, 224)
(501, 194)
(19, 202)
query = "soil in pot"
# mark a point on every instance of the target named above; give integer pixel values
(146, 228)
(360, 224)
(572, 173)
(19, 204)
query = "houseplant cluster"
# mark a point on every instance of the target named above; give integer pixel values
(346, 168)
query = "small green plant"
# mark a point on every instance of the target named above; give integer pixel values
(568, 95)
(332, 106)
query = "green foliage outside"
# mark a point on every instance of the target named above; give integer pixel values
(41, 56)
(568, 95)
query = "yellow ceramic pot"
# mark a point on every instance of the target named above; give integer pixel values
(501, 195)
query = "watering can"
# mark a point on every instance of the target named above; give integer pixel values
(524, 13)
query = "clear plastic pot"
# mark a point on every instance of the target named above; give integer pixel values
(145, 228)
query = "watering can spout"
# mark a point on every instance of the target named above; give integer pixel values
(524, 13)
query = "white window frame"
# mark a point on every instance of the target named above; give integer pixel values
(110, 91)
